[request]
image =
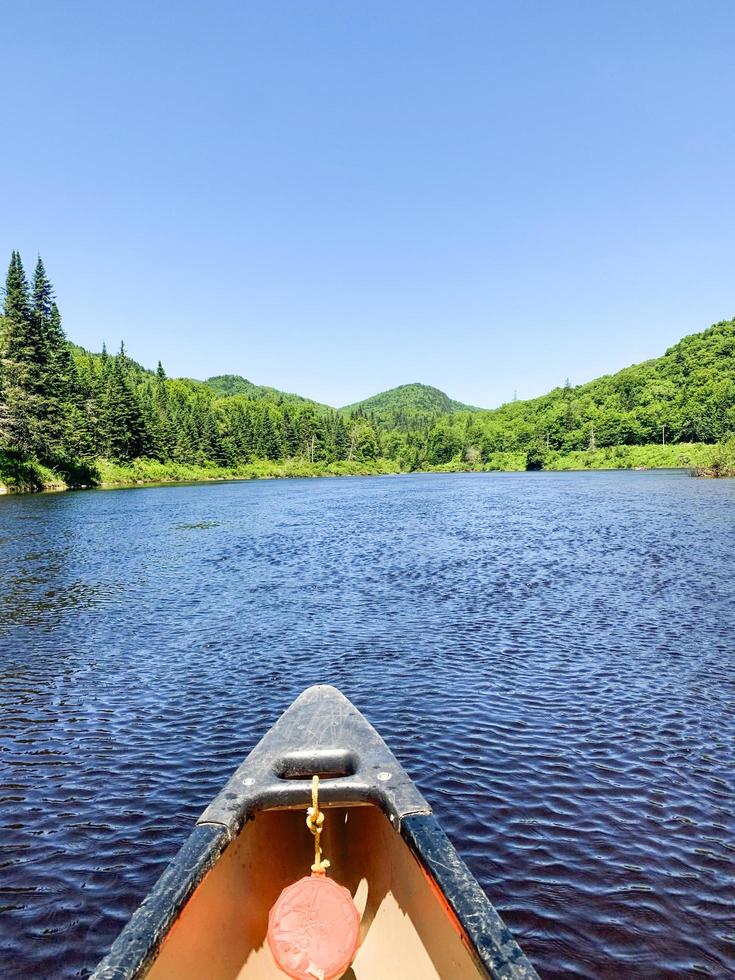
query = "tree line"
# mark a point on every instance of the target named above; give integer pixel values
(686, 395)
(63, 406)
(66, 407)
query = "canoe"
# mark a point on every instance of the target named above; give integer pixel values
(422, 914)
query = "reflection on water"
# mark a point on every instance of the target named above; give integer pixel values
(550, 655)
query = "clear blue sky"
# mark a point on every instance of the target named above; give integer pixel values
(338, 197)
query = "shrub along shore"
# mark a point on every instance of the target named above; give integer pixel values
(718, 461)
(26, 476)
(18, 476)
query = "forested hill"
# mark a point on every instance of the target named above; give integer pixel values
(686, 395)
(408, 406)
(228, 385)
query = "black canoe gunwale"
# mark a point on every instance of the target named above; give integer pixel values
(358, 768)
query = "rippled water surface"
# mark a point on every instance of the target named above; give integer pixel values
(550, 655)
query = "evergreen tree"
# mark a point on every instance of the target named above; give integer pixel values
(246, 437)
(268, 443)
(290, 434)
(42, 293)
(341, 438)
(124, 429)
(162, 416)
(20, 357)
(55, 369)
(16, 305)
(235, 428)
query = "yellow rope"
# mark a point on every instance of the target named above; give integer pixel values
(315, 823)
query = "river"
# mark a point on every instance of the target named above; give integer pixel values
(550, 655)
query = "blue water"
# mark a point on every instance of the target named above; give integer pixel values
(550, 655)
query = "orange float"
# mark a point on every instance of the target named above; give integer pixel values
(314, 926)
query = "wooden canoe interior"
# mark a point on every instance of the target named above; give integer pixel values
(406, 931)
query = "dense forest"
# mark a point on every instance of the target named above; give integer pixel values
(412, 407)
(687, 395)
(232, 384)
(68, 409)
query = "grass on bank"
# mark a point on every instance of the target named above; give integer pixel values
(20, 475)
(151, 471)
(719, 460)
(687, 455)
(683, 454)
(694, 456)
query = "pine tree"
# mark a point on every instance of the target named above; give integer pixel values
(19, 357)
(151, 434)
(42, 293)
(210, 443)
(290, 435)
(55, 367)
(341, 438)
(123, 424)
(268, 443)
(17, 304)
(162, 411)
(246, 438)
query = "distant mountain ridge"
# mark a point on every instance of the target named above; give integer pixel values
(414, 397)
(407, 407)
(685, 395)
(412, 401)
(228, 385)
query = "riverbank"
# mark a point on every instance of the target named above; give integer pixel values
(142, 471)
(685, 455)
(719, 461)
(18, 475)
(23, 476)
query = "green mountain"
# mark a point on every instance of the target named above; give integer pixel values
(228, 385)
(686, 395)
(407, 406)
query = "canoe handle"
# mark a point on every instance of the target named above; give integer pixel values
(324, 763)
